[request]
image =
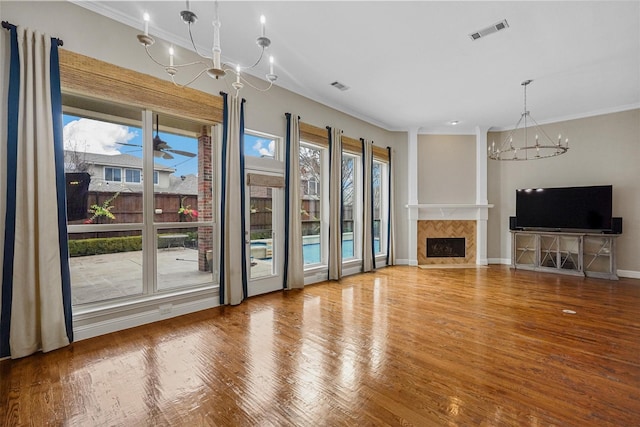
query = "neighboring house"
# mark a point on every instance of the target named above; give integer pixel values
(123, 172)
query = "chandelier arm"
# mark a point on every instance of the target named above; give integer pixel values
(228, 67)
(508, 138)
(146, 48)
(190, 81)
(257, 88)
(195, 48)
(542, 131)
(256, 63)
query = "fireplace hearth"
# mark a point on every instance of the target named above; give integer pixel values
(446, 247)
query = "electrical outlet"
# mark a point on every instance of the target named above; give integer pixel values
(165, 308)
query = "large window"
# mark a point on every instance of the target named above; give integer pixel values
(380, 179)
(311, 205)
(122, 246)
(351, 206)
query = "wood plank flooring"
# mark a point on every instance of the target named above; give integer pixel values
(401, 346)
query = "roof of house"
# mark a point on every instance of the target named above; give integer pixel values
(177, 184)
(187, 185)
(118, 160)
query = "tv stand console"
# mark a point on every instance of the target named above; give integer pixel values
(577, 254)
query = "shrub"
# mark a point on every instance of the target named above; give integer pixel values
(104, 245)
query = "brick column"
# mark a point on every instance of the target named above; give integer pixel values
(205, 198)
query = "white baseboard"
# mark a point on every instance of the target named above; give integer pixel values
(413, 262)
(630, 274)
(351, 270)
(92, 329)
(505, 261)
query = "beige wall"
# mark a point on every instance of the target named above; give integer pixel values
(90, 34)
(603, 150)
(446, 168)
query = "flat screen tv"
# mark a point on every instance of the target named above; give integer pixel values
(568, 208)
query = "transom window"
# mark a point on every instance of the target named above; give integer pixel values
(262, 145)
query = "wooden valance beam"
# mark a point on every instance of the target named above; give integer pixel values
(89, 77)
(319, 136)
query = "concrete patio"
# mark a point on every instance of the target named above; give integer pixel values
(110, 276)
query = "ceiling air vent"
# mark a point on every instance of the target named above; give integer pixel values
(490, 30)
(340, 86)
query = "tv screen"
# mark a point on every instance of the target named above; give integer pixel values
(580, 208)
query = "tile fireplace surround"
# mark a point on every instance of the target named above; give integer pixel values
(449, 220)
(445, 228)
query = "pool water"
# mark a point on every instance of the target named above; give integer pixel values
(311, 251)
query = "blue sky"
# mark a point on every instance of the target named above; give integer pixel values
(258, 146)
(103, 137)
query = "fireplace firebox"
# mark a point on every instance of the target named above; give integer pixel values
(446, 247)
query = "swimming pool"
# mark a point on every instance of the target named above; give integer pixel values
(311, 251)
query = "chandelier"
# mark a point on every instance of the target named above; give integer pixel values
(210, 65)
(528, 148)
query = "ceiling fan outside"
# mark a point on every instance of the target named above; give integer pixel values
(160, 147)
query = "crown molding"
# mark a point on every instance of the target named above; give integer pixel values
(577, 116)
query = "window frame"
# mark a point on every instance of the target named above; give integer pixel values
(147, 227)
(112, 169)
(278, 152)
(126, 180)
(357, 206)
(323, 197)
(384, 206)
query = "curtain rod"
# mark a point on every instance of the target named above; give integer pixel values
(8, 25)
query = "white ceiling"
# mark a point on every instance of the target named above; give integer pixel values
(413, 65)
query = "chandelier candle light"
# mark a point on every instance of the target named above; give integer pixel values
(212, 65)
(541, 147)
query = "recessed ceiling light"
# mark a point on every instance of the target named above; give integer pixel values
(453, 122)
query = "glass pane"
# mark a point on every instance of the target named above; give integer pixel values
(261, 231)
(184, 257)
(96, 152)
(310, 177)
(105, 265)
(178, 179)
(133, 175)
(376, 176)
(348, 205)
(263, 146)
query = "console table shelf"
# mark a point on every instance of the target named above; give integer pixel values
(577, 254)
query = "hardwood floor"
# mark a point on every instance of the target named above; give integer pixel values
(401, 346)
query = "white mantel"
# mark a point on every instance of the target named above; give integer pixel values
(448, 211)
